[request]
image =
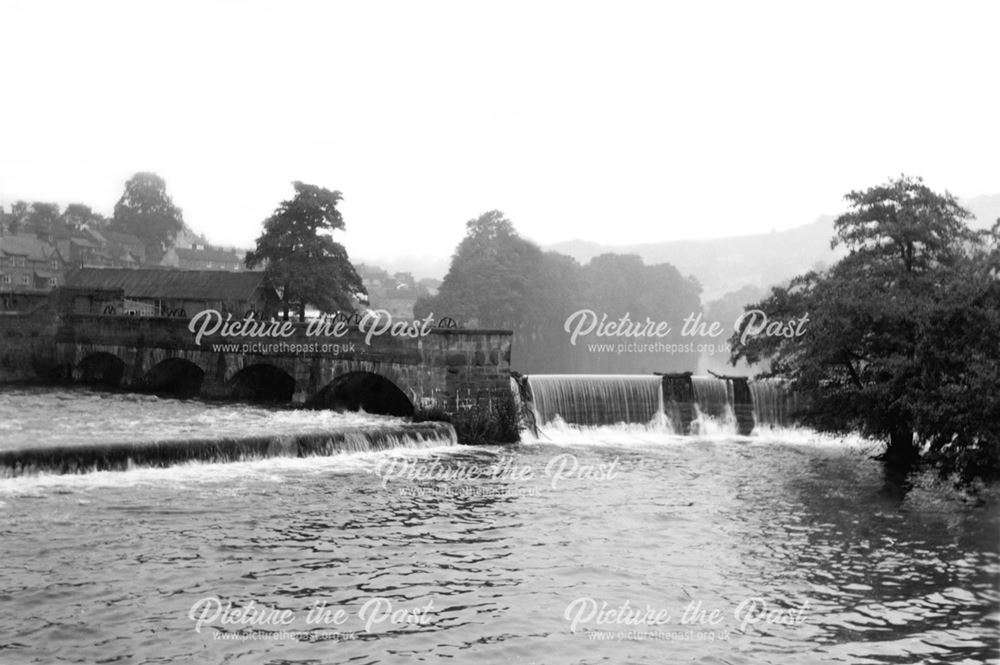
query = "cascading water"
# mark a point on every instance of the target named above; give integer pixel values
(60, 432)
(714, 412)
(770, 403)
(592, 399)
(712, 395)
(700, 405)
(123, 456)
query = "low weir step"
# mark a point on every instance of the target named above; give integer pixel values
(122, 456)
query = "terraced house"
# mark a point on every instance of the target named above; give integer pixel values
(29, 269)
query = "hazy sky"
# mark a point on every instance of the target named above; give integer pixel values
(613, 121)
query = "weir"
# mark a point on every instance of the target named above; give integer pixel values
(679, 403)
(772, 404)
(123, 456)
(595, 399)
(712, 395)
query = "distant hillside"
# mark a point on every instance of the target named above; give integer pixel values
(420, 266)
(721, 265)
(727, 264)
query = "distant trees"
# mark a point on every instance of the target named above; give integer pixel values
(45, 220)
(42, 219)
(78, 214)
(728, 307)
(146, 211)
(499, 279)
(622, 283)
(35, 218)
(14, 222)
(491, 276)
(300, 256)
(903, 342)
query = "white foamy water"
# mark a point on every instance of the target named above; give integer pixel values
(76, 432)
(68, 417)
(704, 429)
(184, 474)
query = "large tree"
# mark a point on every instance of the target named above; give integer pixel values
(300, 256)
(42, 219)
(903, 335)
(146, 211)
(18, 216)
(499, 279)
(490, 280)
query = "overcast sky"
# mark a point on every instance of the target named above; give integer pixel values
(614, 121)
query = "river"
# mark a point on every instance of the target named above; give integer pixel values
(584, 545)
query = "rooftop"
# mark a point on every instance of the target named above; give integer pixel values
(30, 246)
(120, 238)
(220, 255)
(170, 283)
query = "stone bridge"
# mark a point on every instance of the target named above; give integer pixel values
(446, 369)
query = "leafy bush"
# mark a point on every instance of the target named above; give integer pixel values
(492, 419)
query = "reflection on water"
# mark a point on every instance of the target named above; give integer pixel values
(106, 566)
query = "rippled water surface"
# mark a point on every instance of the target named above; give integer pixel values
(105, 567)
(33, 418)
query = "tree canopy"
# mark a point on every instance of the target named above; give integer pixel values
(300, 256)
(499, 279)
(78, 214)
(491, 276)
(146, 211)
(903, 341)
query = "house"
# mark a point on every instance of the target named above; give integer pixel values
(80, 248)
(179, 293)
(126, 249)
(203, 258)
(29, 269)
(396, 293)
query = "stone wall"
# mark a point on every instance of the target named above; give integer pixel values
(27, 346)
(447, 369)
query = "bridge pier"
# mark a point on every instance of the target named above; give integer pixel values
(213, 383)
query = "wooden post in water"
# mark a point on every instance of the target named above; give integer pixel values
(742, 402)
(678, 400)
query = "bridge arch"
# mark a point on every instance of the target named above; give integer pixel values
(362, 390)
(101, 369)
(262, 382)
(175, 376)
